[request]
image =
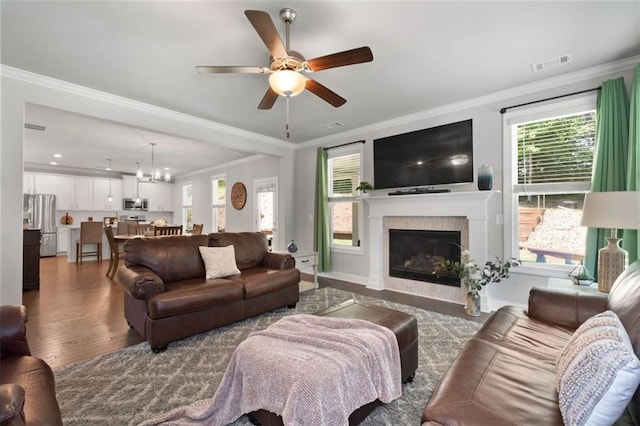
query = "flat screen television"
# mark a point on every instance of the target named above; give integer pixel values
(434, 156)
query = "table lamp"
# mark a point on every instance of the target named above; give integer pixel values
(613, 210)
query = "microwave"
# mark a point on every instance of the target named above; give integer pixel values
(130, 204)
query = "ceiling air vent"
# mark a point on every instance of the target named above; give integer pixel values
(35, 127)
(550, 63)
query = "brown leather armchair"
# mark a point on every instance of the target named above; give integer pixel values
(27, 386)
(168, 297)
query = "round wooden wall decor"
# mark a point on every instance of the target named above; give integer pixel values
(238, 195)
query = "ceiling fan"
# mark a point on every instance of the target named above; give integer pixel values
(287, 67)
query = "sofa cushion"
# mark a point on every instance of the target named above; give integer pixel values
(598, 372)
(219, 262)
(172, 258)
(511, 328)
(488, 384)
(250, 247)
(194, 297)
(259, 281)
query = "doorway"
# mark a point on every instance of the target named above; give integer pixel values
(266, 218)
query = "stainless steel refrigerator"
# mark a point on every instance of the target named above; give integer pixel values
(40, 210)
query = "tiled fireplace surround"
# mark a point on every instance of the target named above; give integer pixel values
(456, 211)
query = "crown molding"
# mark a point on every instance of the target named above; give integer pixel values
(500, 96)
(223, 166)
(74, 89)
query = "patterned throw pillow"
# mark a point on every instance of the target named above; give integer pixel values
(597, 372)
(219, 262)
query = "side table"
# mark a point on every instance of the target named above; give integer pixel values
(305, 259)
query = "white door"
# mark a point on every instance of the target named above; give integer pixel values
(266, 220)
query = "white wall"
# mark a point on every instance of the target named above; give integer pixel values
(19, 87)
(488, 147)
(258, 167)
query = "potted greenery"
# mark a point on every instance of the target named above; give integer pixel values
(364, 187)
(475, 277)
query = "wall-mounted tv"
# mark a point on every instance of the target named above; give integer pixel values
(434, 156)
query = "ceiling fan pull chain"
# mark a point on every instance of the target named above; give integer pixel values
(287, 121)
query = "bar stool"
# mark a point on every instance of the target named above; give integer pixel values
(90, 233)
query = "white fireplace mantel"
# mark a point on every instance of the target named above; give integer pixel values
(473, 205)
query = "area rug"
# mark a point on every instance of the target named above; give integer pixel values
(134, 384)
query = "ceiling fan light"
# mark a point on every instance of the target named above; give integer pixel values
(287, 82)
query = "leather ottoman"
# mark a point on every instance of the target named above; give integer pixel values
(403, 325)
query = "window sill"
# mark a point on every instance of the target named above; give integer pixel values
(359, 251)
(543, 270)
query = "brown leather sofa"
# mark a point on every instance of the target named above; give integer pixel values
(27, 386)
(506, 374)
(167, 296)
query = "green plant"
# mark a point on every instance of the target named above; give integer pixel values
(475, 276)
(364, 187)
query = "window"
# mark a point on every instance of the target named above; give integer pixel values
(218, 187)
(344, 170)
(551, 155)
(187, 203)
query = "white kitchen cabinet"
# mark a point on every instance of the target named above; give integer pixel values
(159, 195)
(28, 183)
(59, 185)
(129, 186)
(101, 191)
(63, 240)
(83, 193)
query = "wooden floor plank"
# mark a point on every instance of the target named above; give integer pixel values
(78, 313)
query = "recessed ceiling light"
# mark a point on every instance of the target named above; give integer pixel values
(57, 155)
(53, 163)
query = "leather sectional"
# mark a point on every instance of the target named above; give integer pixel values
(168, 297)
(506, 374)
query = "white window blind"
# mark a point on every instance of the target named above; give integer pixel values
(344, 175)
(557, 150)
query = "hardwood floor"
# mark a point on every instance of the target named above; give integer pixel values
(78, 312)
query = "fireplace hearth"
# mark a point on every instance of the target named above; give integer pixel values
(421, 255)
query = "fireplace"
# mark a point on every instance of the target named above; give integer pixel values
(421, 255)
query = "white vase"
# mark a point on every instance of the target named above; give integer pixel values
(473, 304)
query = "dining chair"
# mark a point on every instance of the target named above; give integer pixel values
(197, 229)
(167, 230)
(116, 252)
(90, 233)
(141, 229)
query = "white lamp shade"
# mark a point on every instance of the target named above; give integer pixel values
(287, 82)
(612, 210)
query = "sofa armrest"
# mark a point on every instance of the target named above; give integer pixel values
(12, 404)
(13, 333)
(564, 307)
(278, 261)
(140, 282)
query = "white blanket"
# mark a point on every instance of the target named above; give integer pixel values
(311, 370)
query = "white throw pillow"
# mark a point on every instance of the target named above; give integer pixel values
(219, 261)
(598, 372)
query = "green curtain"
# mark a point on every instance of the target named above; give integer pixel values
(630, 241)
(321, 225)
(610, 159)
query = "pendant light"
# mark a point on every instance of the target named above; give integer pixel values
(137, 200)
(109, 197)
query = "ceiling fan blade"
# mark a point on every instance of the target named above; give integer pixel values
(268, 100)
(340, 59)
(263, 25)
(231, 69)
(324, 93)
